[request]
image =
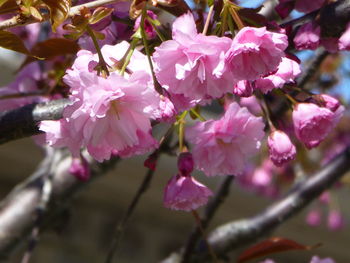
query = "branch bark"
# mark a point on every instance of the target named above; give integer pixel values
(17, 210)
(238, 233)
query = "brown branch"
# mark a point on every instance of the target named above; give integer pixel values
(22, 122)
(178, 8)
(238, 233)
(19, 207)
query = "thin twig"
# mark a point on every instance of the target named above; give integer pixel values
(46, 190)
(209, 213)
(118, 234)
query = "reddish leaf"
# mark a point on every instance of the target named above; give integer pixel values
(9, 7)
(51, 48)
(59, 10)
(11, 41)
(251, 16)
(271, 246)
(3, 2)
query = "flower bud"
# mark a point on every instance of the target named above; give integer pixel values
(281, 149)
(185, 163)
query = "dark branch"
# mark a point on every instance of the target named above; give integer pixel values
(22, 122)
(19, 207)
(238, 233)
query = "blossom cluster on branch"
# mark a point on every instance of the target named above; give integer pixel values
(136, 69)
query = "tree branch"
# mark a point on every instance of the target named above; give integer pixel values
(19, 207)
(237, 233)
(22, 122)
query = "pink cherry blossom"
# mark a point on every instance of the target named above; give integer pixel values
(188, 65)
(344, 40)
(255, 52)
(327, 101)
(313, 218)
(185, 193)
(281, 149)
(222, 147)
(80, 168)
(252, 104)
(26, 82)
(316, 259)
(308, 36)
(284, 7)
(335, 220)
(313, 123)
(262, 176)
(110, 116)
(287, 71)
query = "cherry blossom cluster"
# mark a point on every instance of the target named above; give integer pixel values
(113, 114)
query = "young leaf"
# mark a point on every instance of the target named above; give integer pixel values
(271, 246)
(136, 8)
(51, 48)
(99, 14)
(3, 2)
(59, 10)
(8, 6)
(11, 41)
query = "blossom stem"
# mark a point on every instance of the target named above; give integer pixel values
(160, 35)
(207, 22)
(236, 17)
(157, 86)
(199, 223)
(266, 110)
(291, 99)
(126, 59)
(195, 113)
(102, 64)
(181, 124)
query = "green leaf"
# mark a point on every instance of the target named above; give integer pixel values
(210, 3)
(12, 42)
(59, 10)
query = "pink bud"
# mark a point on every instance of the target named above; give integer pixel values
(151, 161)
(281, 149)
(284, 8)
(80, 169)
(344, 40)
(327, 101)
(185, 193)
(308, 36)
(185, 163)
(335, 220)
(324, 198)
(313, 218)
(316, 259)
(313, 123)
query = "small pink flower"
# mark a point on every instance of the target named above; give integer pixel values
(286, 72)
(185, 193)
(252, 104)
(222, 147)
(80, 168)
(313, 123)
(185, 163)
(335, 220)
(316, 259)
(344, 40)
(189, 64)
(308, 36)
(254, 53)
(325, 198)
(281, 149)
(313, 218)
